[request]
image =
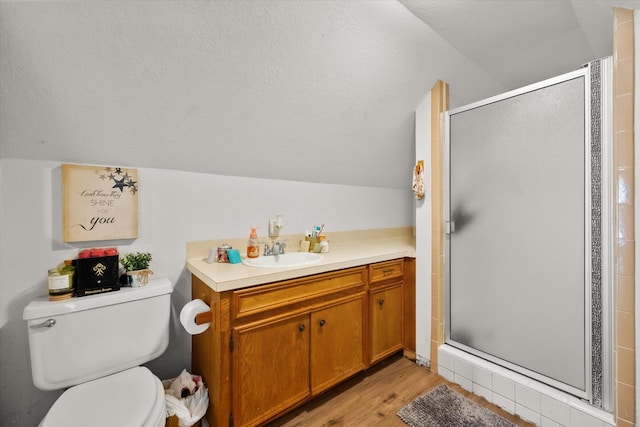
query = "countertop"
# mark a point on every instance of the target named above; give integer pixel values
(347, 249)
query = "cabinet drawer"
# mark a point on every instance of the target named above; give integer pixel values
(296, 293)
(386, 270)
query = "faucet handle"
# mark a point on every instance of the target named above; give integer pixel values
(278, 247)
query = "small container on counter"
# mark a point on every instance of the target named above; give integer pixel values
(234, 256)
(253, 250)
(213, 255)
(222, 255)
(313, 241)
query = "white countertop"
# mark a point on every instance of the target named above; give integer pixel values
(347, 249)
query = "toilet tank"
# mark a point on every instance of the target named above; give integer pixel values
(97, 335)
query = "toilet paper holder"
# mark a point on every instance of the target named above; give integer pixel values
(202, 318)
(197, 316)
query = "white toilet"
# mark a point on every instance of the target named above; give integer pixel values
(94, 345)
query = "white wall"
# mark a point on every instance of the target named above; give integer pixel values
(423, 236)
(175, 207)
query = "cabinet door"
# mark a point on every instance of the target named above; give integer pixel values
(386, 321)
(270, 368)
(336, 343)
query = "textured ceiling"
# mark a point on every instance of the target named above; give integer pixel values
(320, 91)
(519, 42)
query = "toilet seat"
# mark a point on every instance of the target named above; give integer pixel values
(134, 397)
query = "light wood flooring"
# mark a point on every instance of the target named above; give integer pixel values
(372, 398)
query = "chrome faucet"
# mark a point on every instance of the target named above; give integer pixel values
(277, 248)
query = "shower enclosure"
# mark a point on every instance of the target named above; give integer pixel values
(527, 217)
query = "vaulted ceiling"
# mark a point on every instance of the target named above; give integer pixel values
(519, 42)
(321, 91)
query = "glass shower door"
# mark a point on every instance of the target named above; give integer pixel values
(518, 240)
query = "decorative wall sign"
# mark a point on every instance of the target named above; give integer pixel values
(99, 203)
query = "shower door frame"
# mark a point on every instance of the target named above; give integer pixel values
(598, 355)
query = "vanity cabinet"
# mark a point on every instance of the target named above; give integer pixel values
(386, 322)
(386, 301)
(270, 368)
(337, 343)
(275, 346)
(279, 363)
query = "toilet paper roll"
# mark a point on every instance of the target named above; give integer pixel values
(188, 316)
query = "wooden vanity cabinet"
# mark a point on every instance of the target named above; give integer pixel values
(337, 343)
(386, 308)
(275, 346)
(270, 368)
(279, 363)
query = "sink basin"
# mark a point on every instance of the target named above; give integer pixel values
(294, 259)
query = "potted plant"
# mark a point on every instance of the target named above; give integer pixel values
(137, 266)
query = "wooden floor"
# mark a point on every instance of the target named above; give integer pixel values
(373, 398)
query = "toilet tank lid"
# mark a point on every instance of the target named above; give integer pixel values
(42, 307)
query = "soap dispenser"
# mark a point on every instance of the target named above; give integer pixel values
(253, 250)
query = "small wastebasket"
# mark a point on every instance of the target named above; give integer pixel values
(186, 399)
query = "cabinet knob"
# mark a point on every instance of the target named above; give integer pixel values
(381, 301)
(322, 322)
(301, 328)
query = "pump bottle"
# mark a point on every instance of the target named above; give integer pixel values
(253, 250)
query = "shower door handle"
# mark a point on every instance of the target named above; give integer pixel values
(449, 227)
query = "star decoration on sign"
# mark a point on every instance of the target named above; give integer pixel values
(120, 178)
(132, 185)
(119, 184)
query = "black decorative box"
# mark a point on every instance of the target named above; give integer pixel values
(96, 274)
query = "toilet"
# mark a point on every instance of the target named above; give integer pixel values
(93, 347)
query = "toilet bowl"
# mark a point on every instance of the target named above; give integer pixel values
(134, 397)
(92, 346)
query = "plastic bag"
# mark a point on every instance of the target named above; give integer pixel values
(186, 397)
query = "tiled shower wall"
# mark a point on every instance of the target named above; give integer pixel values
(623, 137)
(439, 104)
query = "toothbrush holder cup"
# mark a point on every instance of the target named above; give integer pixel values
(314, 243)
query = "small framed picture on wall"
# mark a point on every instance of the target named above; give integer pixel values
(99, 203)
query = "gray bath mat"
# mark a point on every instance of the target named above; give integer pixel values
(443, 407)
